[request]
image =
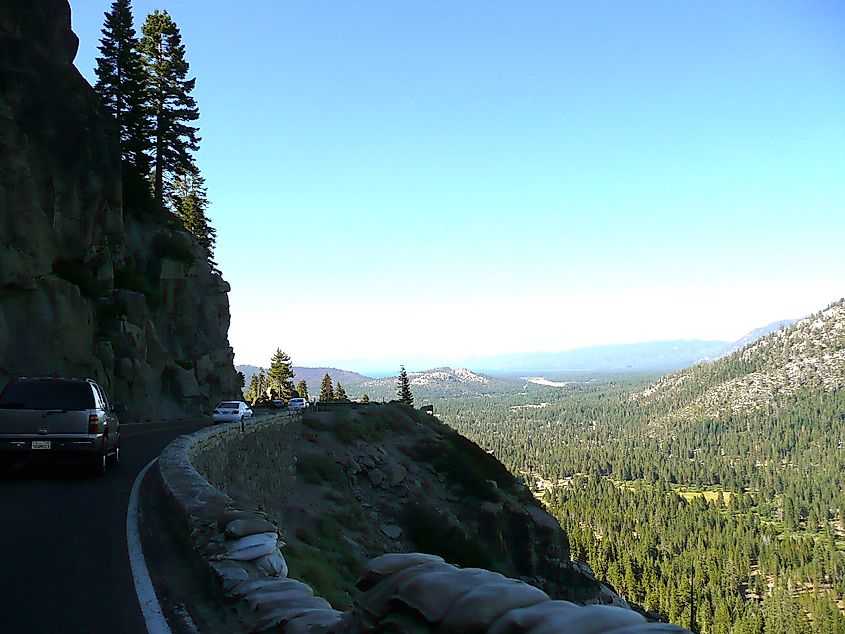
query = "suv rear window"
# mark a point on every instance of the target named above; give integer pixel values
(228, 406)
(61, 394)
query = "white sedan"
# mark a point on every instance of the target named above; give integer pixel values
(298, 403)
(230, 411)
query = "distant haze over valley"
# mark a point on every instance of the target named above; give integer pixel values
(649, 356)
(507, 372)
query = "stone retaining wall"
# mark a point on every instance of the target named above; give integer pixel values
(241, 551)
(238, 545)
(257, 464)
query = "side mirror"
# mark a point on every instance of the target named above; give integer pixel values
(120, 408)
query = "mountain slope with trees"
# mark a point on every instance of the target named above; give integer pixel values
(715, 495)
(808, 354)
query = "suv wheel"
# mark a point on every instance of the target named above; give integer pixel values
(114, 459)
(97, 462)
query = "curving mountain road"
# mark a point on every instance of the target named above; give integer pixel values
(63, 554)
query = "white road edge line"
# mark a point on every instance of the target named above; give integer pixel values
(150, 607)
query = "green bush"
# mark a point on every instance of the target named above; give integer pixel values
(348, 428)
(331, 572)
(314, 422)
(465, 464)
(305, 535)
(80, 275)
(321, 469)
(329, 529)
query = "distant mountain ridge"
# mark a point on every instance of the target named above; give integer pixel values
(315, 375)
(649, 356)
(756, 334)
(807, 355)
(646, 356)
(661, 356)
(437, 375)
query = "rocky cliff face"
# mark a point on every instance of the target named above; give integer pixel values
(92, 282)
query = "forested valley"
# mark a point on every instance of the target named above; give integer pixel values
(725, 518)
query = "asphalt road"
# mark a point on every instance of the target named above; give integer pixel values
(63, 556)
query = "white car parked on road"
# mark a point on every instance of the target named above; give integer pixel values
(297, 403)
(231, 411)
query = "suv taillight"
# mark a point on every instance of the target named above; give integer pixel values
(93, 424)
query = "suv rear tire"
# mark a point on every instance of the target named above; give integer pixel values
(97, 463)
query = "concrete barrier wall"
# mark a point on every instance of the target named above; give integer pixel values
(255, 465)
(216, 479)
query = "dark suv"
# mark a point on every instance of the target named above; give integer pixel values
(59, 417)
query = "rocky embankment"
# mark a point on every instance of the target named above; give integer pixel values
(389, 479)
(93, 280)
(288, 513)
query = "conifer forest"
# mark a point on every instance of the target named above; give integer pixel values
(731, 525)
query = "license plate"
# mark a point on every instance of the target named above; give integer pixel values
(40, 444)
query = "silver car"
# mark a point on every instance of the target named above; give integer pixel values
(53, 417)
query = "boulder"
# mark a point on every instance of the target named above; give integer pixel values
(186, 383)
(376, 476)
(396, 474)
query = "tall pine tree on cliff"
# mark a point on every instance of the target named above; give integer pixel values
(122, 85)
(171, 104)
(189, 200)
(403, 387)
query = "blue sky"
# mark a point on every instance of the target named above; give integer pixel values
(422, 182)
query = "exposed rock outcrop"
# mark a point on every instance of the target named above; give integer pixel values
(93, 283)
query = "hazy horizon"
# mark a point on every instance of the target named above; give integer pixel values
(381, 368)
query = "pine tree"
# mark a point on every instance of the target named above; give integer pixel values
(171, 105)
(188, 197)
(365, 399)
(403, 387)
(280, 375)
(122, 84)
(302, 389)
(261, 385)
(340, 393)
(253, 391)
(326, 389)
